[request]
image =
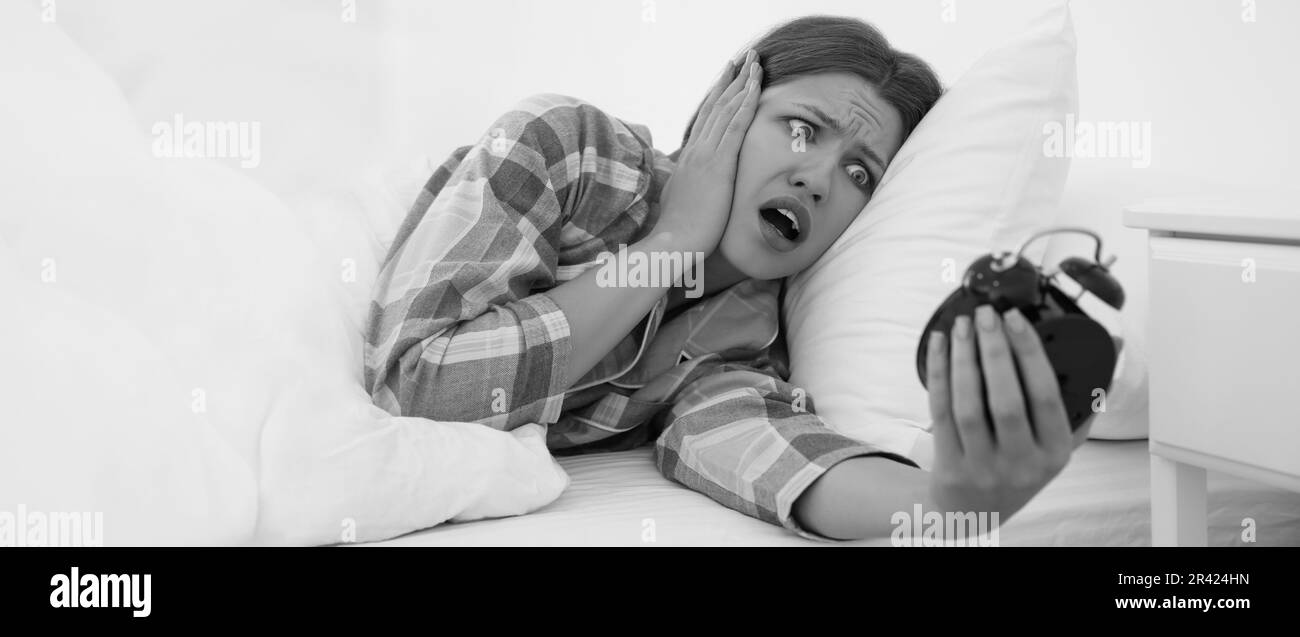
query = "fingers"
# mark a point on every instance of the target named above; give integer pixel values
(1043, 395)
(735, 109)
(724, 80)
(1005, 401)
(967, 393)
(743, 114)
(723, 109)
(947, 443)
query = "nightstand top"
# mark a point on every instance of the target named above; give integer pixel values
(1273, 216)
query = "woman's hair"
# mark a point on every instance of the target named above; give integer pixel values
(816, 44)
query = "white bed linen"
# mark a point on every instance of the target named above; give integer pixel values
(186, 360)
(1100, 499)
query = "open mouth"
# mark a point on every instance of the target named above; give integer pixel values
(785, 221)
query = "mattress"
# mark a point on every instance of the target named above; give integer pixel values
(1102, 498)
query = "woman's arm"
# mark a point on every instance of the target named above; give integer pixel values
(599, 316)
(857, 498)
(694, 209)
(980, 466)
(459, 328)
(742, 435)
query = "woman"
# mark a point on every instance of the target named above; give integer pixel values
(495, 303)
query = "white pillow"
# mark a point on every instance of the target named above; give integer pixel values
(972, 178)
(180, 275)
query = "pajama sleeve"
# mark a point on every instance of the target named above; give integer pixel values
(741, 435)
(458, 329)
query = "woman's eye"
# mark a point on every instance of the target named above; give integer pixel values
(797, 125)
(866, 176)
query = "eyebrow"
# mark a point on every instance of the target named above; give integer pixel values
(840, 129)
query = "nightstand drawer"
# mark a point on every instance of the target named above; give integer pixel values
(1224, 339)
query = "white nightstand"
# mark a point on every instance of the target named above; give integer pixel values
(1224, 347)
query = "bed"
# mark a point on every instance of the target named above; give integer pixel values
(1101, 499)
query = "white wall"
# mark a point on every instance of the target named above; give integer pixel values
(1217, 90)
(411, 77)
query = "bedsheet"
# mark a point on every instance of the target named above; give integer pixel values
(1102, 498)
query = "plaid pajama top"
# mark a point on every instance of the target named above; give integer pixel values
(458, 329)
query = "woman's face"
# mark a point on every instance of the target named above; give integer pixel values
(792, 157)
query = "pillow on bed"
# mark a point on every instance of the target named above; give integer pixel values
(185, 354)
(972, 178)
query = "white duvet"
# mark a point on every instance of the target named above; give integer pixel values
(181, 348)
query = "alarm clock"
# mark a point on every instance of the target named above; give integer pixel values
(1082, 350)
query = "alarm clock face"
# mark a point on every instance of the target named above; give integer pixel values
(1083, 352)
(1074, 312)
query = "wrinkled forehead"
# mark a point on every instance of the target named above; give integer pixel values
(850, 100)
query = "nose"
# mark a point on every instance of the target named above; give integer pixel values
(814, 176)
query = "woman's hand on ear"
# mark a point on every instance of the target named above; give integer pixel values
(696, 201)
(1000, 465)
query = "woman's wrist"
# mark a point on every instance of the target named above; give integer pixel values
(667, 240)
(664, 262)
